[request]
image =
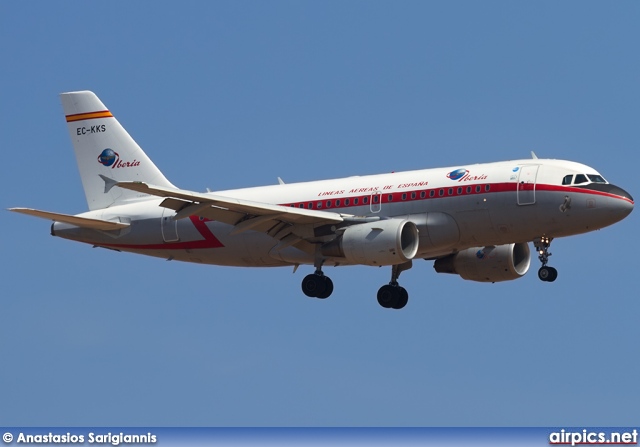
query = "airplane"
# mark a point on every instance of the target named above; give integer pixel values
(475, 221)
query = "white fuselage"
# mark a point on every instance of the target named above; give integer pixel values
(454, 209)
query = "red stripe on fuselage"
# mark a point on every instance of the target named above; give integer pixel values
(335, 203)
(201, 225)
(579, 190)
(211, 241)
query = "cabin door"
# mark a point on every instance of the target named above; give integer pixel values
(376, 202)
(527, 184)
(169, 225)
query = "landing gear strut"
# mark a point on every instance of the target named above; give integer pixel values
(392, 295)
(546, 273)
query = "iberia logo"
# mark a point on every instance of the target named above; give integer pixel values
(462, 175)
(457, 174)
(109, 157)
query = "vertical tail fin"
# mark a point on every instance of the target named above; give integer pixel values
(105, 152)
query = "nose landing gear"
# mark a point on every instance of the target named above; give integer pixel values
(546, 273)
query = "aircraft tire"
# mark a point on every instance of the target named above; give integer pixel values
(388, 296)
(543, 274)
(547, 274)
(314, 285)
(328, 288)
(403, 298)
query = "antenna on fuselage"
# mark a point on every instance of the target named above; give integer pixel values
(533, 155)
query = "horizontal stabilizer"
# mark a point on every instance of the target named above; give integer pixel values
(95, 224)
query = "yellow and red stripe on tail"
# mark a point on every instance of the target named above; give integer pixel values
(88, 116)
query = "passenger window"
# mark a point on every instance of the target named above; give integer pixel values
(423, 194)
(441, 192)
(365, 200)
(355, 201)
(338, 202)
(487, 188)
(468, 189)
(413, 195)
(567, 179)
(478, 189)
(450, 191)
(301, 205)
(404, 196)
(390, 198)
(319, 206)
(580, 179)
(346, 202)
(432, 193)
(459, 190)
(328, 203)
(310, 205)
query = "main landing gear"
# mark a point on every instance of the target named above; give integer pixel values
(392, 295)
(317, 285)
(546, 273)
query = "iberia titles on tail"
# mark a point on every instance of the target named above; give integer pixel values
(475, 221)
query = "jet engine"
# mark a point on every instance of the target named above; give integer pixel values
(384, 242)
(488, 264)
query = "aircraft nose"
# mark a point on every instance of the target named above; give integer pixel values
(615, 190)
(624, 205)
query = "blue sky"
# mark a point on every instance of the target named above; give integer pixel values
(231, 94)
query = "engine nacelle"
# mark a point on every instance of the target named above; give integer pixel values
(384, 242)
(488, 264)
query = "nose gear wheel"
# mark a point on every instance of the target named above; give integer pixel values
(546, 273)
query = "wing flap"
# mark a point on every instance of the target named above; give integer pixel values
(95, 224)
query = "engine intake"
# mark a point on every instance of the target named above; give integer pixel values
(488, 264)
(384, 242)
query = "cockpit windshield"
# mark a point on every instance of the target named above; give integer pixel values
(581, 178)
(596, 178)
